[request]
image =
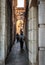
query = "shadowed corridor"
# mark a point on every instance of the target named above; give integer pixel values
(16, 57)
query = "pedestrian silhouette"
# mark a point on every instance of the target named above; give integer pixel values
(17, 37)
(21, 39)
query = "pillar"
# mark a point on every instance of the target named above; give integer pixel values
(32, 35)
(0, 29)
(5, 26)
(41, 19)
(2, 33)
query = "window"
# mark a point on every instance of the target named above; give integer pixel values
(20, 3)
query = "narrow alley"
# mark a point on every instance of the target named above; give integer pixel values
(26, 19)
(16, 57)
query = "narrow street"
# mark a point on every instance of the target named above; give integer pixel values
(17, 57)
(26, 19)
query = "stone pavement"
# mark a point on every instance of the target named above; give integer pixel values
(16, 57)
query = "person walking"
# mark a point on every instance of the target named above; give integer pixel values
(21, 40)
(17, 37)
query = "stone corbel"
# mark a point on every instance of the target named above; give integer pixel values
(33, 3)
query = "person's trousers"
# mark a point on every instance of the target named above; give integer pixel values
(21, 45)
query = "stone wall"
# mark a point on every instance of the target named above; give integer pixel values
(5, 20)
(8, 23)
(41, 36)
(32, 35)
(2, 31)
(13, 21)
(0, 28)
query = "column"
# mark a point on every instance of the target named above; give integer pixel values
(4, 30)
(41, 19)
(32, 35)
(0, 29)
(2, 33)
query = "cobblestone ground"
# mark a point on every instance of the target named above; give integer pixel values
(17, 57)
